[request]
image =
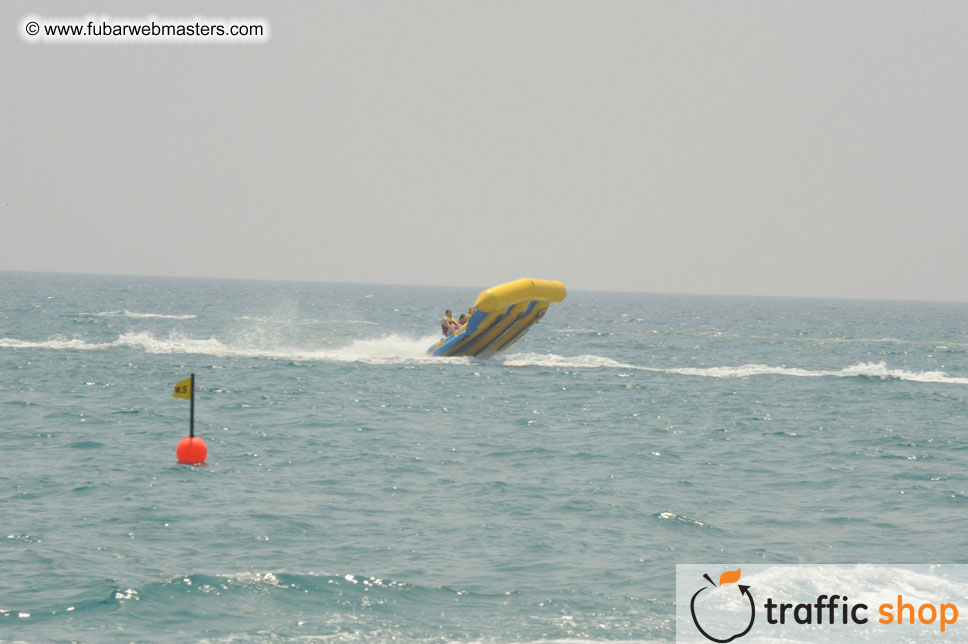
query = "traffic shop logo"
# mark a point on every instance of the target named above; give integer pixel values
(728, 577)
(830, 610)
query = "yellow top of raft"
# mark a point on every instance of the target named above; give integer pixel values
(499, 298)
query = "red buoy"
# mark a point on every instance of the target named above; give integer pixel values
(191, 450)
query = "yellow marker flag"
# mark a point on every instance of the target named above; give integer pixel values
(183, 389)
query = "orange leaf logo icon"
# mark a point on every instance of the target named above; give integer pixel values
(729, 577)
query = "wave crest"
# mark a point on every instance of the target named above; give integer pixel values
(878, 370)
(389, 349)
(398, 349)
(140, 316)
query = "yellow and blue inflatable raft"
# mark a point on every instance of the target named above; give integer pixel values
(504, 314)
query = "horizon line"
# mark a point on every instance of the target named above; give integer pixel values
(425, 285)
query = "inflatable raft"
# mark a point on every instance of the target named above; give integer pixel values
(504, 314)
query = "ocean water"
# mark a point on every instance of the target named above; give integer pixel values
(358, 491)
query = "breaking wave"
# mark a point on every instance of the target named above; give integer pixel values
(397, 349)
(141, 316)
(878, 370)
(388, 349)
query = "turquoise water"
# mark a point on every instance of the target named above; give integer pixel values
(357, 490)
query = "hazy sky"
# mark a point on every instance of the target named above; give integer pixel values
(774, 148)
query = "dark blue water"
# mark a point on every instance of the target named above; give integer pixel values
(357, 490)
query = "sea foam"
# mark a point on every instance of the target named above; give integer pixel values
(140, 316)
(398, 349)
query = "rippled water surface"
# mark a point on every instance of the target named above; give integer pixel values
(358, 490)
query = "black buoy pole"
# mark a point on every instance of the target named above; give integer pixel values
(191, 417)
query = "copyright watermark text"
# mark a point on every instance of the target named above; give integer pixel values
(102, 28)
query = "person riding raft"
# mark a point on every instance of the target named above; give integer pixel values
(448, 325)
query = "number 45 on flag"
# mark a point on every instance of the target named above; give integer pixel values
(183, 389)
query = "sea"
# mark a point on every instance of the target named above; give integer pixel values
(358, 490)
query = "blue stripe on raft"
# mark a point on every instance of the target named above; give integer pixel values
(470, 349)
(466, 334)
(523, 330)
(465, 338)
(510, 326)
